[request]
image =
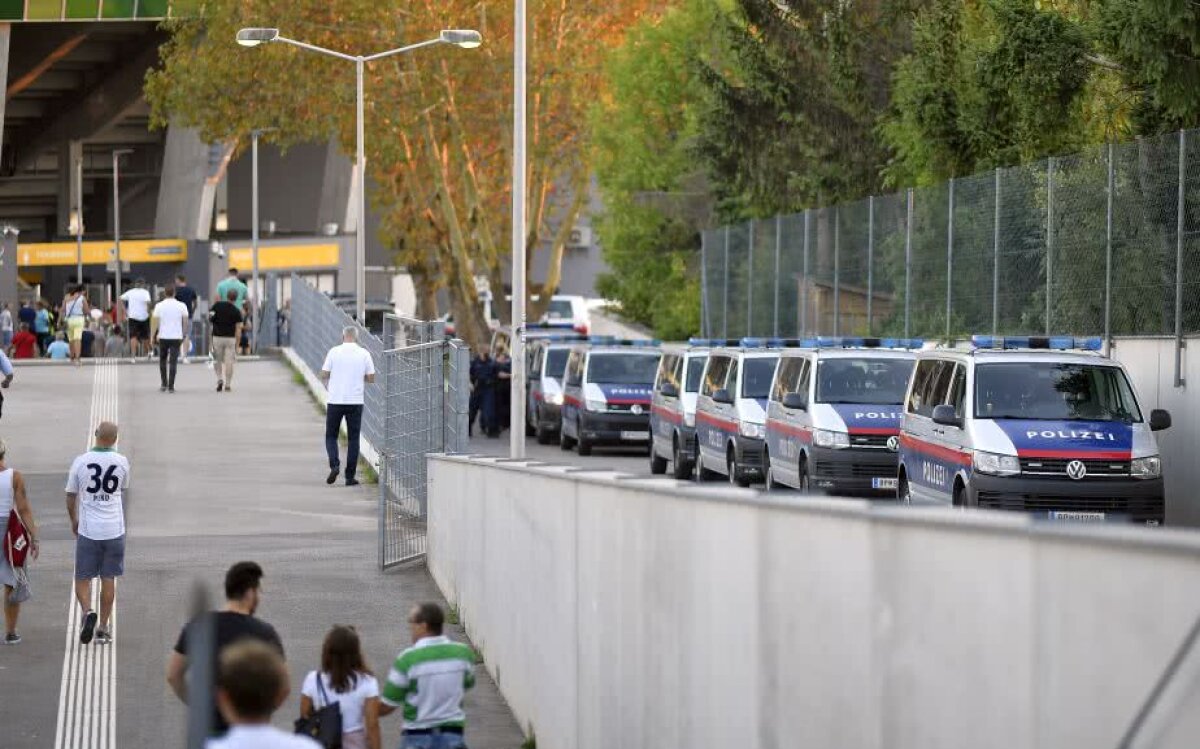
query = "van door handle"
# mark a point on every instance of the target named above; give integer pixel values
(939, 431)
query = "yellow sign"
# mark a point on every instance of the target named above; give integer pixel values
(285, 256)
(100, 252)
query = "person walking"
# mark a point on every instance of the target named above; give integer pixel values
(6, 326)
(346, 371)
(41, 327)
(14, 499)
(171, 316)
(27, 314)
(249, 676)
(6, 368)
(226, 319)
(75, 310)
(137, 306)
(232, 281)
(428, 682)
(96, 488)
(344, 679)
(232, 624)
(186, 296)
(24, 343)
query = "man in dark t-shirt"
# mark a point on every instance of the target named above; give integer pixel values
(235, 622)
(227, 322)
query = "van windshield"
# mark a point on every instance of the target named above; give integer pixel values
(1054, 391)
(757, 375)
(863, 381)
(556, 362)
(695, 369)
(559, 309)
(623, 369)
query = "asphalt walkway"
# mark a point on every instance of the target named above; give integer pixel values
(216, 478)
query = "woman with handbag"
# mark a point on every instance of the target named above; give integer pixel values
(339, 704)
(75, 311)
(20, 542)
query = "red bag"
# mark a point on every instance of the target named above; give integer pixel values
(17, 541)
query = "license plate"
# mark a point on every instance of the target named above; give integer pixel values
(1087, 517)
(885, 483)
(635, 436)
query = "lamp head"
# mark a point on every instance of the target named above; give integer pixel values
(255, 37)
(465, 38)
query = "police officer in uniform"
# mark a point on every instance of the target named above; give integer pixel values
(479, 367)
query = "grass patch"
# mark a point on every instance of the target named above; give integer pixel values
(531, 742)
(452, 615)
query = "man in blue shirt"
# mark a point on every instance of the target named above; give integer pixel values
(59, 349)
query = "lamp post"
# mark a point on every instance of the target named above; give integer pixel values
(254, 301)
(116, 157)
(466, 38)
(519, 188)
(77, 224)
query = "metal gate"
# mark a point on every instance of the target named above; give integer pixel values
(425, 404)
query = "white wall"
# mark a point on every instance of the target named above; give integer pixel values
(643, 613)
(1151, 365)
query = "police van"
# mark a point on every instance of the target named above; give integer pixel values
(1040, 425)
(731, 410)
(547, 358)
(673, 407)
(606, 394)
(833, 417)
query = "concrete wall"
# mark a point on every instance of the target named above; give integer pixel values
(644, 613)
(1151, 365)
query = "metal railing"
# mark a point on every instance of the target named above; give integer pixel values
(1103, 242)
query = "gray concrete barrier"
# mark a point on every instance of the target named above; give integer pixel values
(617, 612)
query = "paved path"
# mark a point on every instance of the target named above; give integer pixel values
(216, 478)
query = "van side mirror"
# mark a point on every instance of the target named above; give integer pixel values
(944, 415)
(723, 396)
(1159, 420)
(668, 390)
(796, 400)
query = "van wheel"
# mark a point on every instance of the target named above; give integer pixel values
(768, 472)
(960, 495)
(564, 442)
(803, 480)
(903, 490)
(544, 435)
(702, 473)
(681, 465)
(658, 465)
(735, 473)
(530, 429)
(584, 446)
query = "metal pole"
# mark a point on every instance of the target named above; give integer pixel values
(870, 260)
(750, 282)
(705, 306)
(725, 289)
(1179, 378)
(837, 271)
(1049, 237)
(1108, 225)
(117, 220)
(908, 263)
(517, 412)
(360, 240)
(804, 287)
(778, 241)
(254, 239)
(79, 219)
(950, 259)
(996, 260)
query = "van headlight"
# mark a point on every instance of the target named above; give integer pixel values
(1146, 468)
(596, 405)
(750, 429)
(554, 399)
(689, 419)
(997, 465)
(831, 439)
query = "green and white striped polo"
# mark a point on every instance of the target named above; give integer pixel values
(429, 681)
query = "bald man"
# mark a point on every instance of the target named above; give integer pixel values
(95, 502)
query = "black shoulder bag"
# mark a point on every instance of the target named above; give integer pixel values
(325, 724)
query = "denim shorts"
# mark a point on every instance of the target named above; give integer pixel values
(99, 558)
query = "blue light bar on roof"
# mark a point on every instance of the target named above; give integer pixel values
(601, 339)
(1052, 343)
(776, 343)
(897, 343)
(713, 342)
(549, 325)
(566, 337)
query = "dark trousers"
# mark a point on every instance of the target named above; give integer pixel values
(168, 358)
(334, 413)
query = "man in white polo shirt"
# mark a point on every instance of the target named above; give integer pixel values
(172, 315)
(346, 371)
(137, 305)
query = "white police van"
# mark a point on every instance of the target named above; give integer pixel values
(833, 417)
(731, 411)
(673, 408)
(547, 359)
(1040, 425)
(606, 394)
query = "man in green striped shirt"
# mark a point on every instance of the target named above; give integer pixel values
(428, 681)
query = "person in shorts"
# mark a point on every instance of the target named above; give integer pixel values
(95, 501)
(13, 497)
(137, 304)
(75, 310)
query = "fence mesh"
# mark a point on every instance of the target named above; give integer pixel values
(1046, 247)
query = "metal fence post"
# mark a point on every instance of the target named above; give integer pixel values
(996, 260)
(705, 309)
(870, 259)
(949, 257)
(778, 241)
(837, 278)
(908, 262)
(1179, 378)
(725, 289)
(805, 284)
(750, 280)
(1108, 256)
(1049, 237)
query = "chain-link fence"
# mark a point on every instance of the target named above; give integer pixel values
(417, 405)
(1104, 242)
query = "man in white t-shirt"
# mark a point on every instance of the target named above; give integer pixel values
(173, 318)
(346, 371)
(137, 307)
(95, 502)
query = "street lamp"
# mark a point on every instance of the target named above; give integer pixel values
(254, 301)
(116, 156)
(465, 38)
(519, 197)
(77, 220)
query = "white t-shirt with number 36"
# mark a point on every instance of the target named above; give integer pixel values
(99, 478)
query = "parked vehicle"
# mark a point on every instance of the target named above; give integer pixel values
(607, 393)
(547, 361)
(673, 406)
